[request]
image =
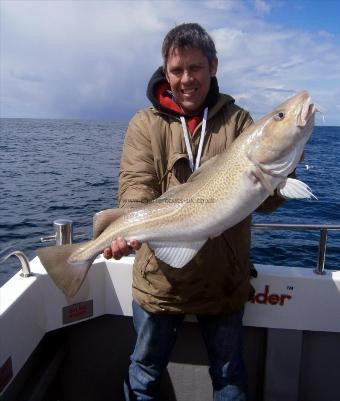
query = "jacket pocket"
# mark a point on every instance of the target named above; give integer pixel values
(178, 170)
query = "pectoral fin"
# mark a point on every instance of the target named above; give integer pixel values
(257, 172)
(176, 254)
(292, 188)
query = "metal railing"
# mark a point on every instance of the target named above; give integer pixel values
(12, 251)
(63, 232)
(64, 235)
(322, 228)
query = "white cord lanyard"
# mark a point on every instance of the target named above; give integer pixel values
(200, 145)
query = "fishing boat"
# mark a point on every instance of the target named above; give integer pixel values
(54, 348)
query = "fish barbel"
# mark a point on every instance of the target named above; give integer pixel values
(218, 195)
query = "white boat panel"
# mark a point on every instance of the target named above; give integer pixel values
(285, 298)
(295, 298)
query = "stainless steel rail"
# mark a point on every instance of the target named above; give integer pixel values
(63, 232)
(322, 228)
(64, 235)
(12, 251)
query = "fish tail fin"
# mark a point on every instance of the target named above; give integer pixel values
(66, 275)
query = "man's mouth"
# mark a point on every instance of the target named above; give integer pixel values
(188, 91)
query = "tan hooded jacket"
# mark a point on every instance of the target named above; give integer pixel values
(154, 159)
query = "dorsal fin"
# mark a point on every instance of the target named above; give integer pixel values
(103, 219)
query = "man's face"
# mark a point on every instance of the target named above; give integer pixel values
(189, 74)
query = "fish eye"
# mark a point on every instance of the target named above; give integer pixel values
(280, 115)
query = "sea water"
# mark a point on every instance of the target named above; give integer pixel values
(52, 169)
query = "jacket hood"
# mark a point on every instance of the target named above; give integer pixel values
(159, 94)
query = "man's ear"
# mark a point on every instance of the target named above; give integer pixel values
(213, 67)
(166, 74)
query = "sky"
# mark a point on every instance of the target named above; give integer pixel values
(85, 59)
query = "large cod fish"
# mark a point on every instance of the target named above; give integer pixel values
(218, 195)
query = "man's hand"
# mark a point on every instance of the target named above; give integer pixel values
(120, 248)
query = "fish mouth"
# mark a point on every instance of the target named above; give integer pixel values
(306, 114)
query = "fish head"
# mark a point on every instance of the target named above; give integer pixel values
(278, 139)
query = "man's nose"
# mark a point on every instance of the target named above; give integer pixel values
(187, 76)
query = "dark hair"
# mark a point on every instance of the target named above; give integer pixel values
(189, 35)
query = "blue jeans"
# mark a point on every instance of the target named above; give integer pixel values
(156, 336)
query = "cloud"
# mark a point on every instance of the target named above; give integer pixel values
(285, 61)
(92, 59)
(221, 5)
(87, 55)
(27, 76)
(262, 6)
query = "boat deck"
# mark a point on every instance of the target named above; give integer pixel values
(82, 344)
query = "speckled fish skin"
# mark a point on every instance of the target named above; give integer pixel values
(221, 193)
(224, 190)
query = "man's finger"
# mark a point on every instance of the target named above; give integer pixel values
(135, 244)
(107, 253)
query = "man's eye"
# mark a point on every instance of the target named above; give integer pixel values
(279, 116)
(195, 68)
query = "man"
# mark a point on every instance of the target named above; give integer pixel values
(189, 123)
